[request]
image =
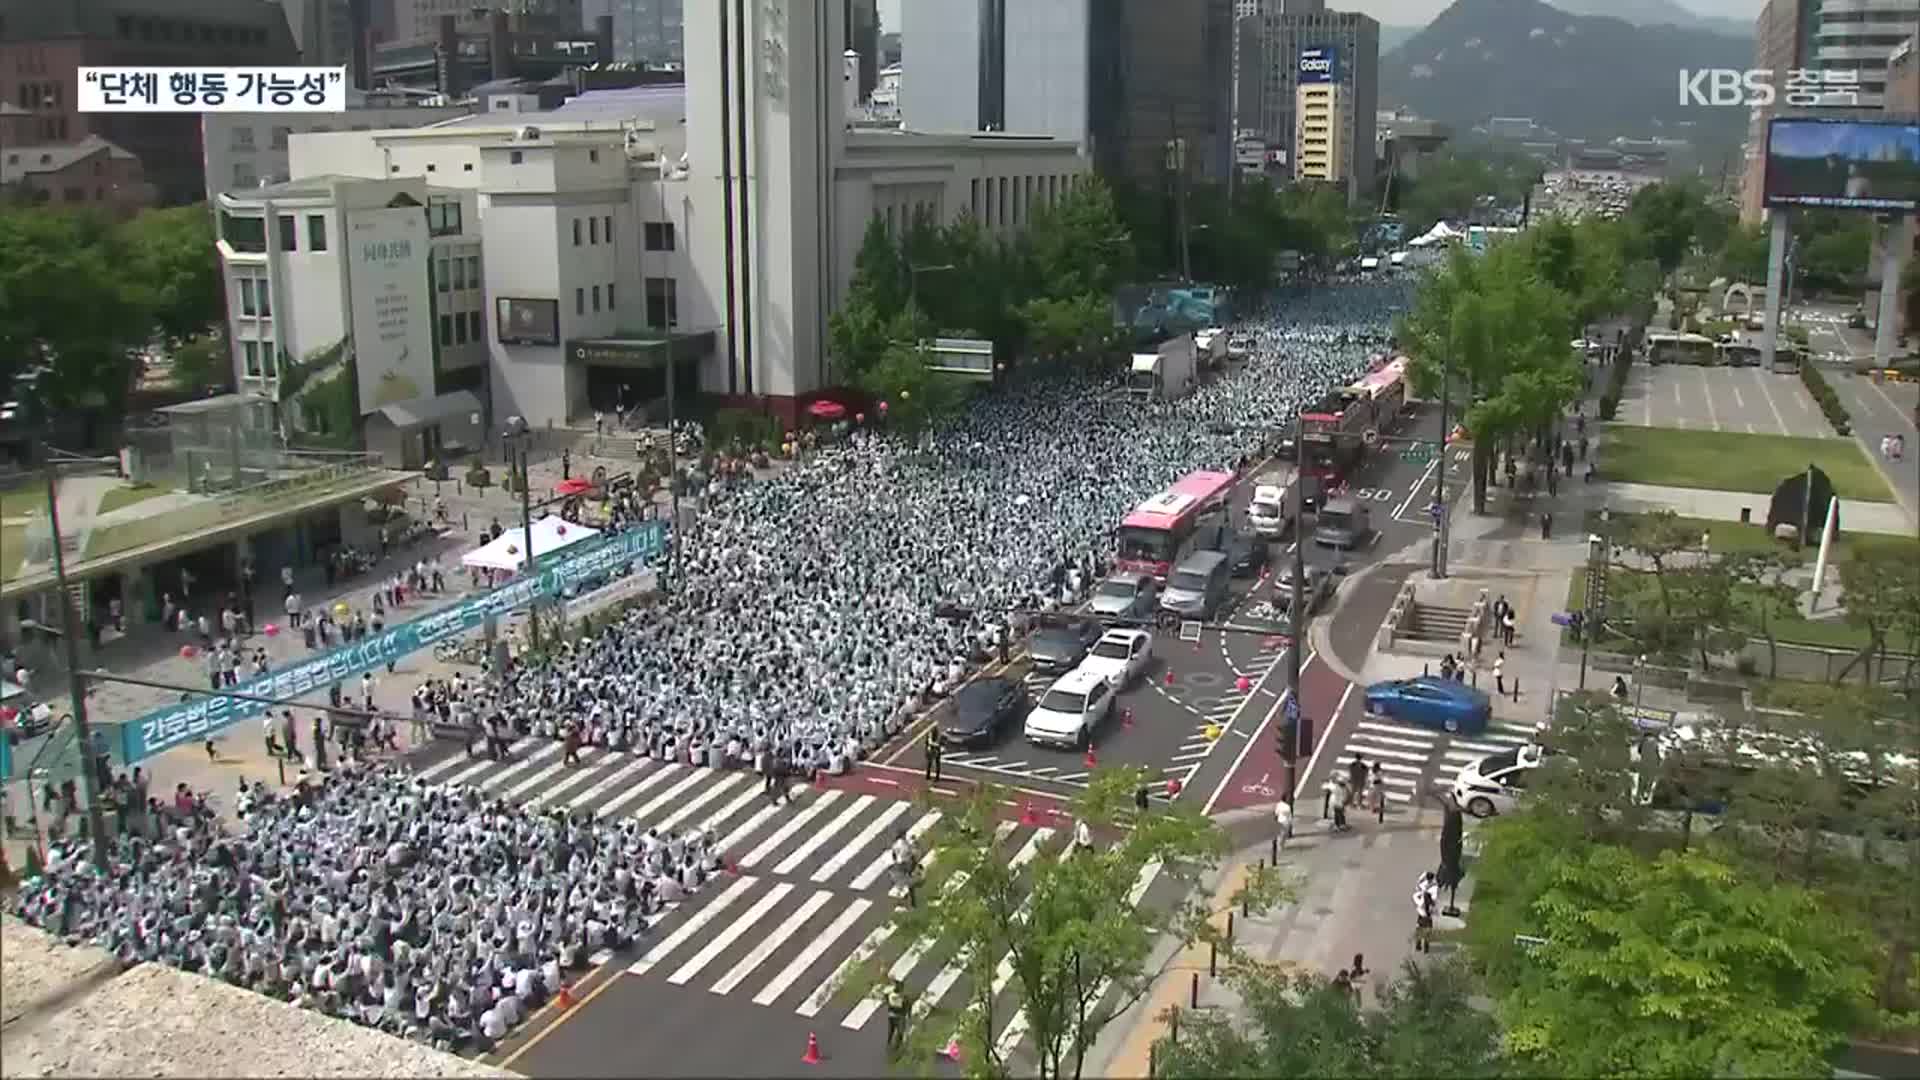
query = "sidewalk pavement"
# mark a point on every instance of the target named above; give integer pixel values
(1352, 894)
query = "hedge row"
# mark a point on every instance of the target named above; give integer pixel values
(1829, 401)
(1616, 383)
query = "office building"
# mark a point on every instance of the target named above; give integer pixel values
(1120, 77)
(556, 259)
(1276, 99)
(1900, 102)
(1853, 39)
(92, 173)
(322, 30)
(46, 42)
(247, 150)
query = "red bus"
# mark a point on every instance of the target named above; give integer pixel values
(1160, 532)
(1333, 431)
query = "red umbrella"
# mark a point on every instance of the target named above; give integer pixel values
(575, 486)
(824, 409)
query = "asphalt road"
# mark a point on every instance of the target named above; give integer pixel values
(1882, 409)
(1741, 399)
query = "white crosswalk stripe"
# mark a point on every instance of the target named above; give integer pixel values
(895, 811)
(794, 824)
(769, 942)
(879, 866)
(821, 836)
(725, 938)
(687, 930)
(693, 805)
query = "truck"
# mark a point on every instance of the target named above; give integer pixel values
(1166, 372)
(1212, 347)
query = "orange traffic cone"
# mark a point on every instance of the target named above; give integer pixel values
(1169, 676)
(952, 1051)
(733, 867)
(1126, 718)
(1028, 818)
(564, 999)
(812, 1056)
(1091, 761)
(1173, 787)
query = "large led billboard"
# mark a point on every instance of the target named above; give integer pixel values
(1844, 164)
(1319, 64)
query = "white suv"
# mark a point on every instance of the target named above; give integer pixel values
(1120, 656)
(1070, 709)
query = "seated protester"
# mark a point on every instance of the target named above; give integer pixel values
(493, 1027)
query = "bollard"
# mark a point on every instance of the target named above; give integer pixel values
(1173, 1025)
(1425, 669)
(1213, 963)
(1195, 995)
(1273, 847)
(282, 762)
(1230, 921)
(1246, 908)
(1516, 688)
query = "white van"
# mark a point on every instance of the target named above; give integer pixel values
(1070, 710)
(1269, 511)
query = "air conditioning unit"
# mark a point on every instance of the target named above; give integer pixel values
(529, 134)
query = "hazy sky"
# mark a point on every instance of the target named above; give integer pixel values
(1419, 12)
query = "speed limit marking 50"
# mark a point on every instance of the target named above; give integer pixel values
(1374, 494)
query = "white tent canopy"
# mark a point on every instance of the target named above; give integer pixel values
(1440, 233)
(508, 551)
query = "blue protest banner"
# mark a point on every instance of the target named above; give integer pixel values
(164, 729)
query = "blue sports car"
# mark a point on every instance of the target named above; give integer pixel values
(1431, 702)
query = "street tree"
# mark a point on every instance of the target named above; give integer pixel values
(1881, 594)
(171, 259)
(1665, 220)
(1065, 935)
(1067, 326)
(1678, 965)
(65, 301)
(1299, 1025)
(860, 333)
(1666, 544)
(914, 397)
(1766, 597)
(1078, 245)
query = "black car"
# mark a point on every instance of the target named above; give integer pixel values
(984, 710)
(1059, 645)
(1245, 552)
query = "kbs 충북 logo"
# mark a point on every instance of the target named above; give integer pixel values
(1755, 87)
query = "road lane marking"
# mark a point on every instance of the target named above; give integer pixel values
(694, 776)
(791, 973)
(780, 936)
(820, 837)
(714, 791)
(735, 930)
(1771, 405)
(691, 927)
(794, 824)
(858, 843)
(879, 866)
(1314, 759)
(1265, 720)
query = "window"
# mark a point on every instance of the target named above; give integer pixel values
(446, 331)
(658, 236)
(280, 137)
(316, 233)
(662, 304)
(606, 227)
(267, 362)
(243, 138)
(289, 233)
(459, 329)
(74, 194)
(442, 276)
(248, 305)
(579, 301)
(593, 155)
(251, 349)
(1002, 218)
(473, 326)
(596, 298)
(610, 296)
(244, 176)
(593, 230)
(576, 232)
(266, 298)
(459, 274)
(443, 217)
(473, 271)
(515, 157)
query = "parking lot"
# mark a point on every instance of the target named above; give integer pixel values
(1740, 399)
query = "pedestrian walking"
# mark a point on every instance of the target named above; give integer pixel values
(1546, 520)
(1500, 674)
(1377, 792)
(1083, 837)
(1507, 625)
(933, 755)
(1342, 798)
(896, 1015)
(1356, 778)
(1426, 894)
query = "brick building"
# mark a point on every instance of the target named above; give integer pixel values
(44, 43)
(92, 172)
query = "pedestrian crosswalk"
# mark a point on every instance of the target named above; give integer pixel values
(807, 899)
(1416, 761)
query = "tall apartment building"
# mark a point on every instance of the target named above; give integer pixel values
(1860, 36)
(417, 22)
(44, 43)
(322, 30)
(1298, 64)
(1119, 77)
(1901, 101)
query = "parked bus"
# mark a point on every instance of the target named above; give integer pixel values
(1160, 532)
(1664, 348)
(1333, 430)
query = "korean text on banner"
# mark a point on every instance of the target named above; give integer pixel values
(203, 90)
(176, 725)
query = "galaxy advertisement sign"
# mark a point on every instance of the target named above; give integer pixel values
(1318, 65)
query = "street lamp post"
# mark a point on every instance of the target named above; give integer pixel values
(1440, 497)
(1293, 727)
(518, 431)
(76, 682)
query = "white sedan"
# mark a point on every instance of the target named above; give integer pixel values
(1120, 656)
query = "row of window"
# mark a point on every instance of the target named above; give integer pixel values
(656, 235)
(460, 328)
(256, 299)
(259, 358)
(39, 95)
(457, 273)
(580, 299)
(997, 202)
(596, 227)
(186, 33)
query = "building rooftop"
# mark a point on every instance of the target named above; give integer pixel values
(28, 160)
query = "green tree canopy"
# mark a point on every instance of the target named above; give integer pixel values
(65, 299)
(172, 261)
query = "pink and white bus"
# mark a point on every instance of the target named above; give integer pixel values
(1160, 532)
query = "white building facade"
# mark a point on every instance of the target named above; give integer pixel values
(591, 251)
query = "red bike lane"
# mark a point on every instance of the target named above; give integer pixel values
(1259, 778)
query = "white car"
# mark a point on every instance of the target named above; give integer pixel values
(1120, 656)
(1067, 714)
(1493, 784)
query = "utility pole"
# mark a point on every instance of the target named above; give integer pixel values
(518, 431)
(76, 682)
(1294, 724)
(1440, 497)
(1177, 166)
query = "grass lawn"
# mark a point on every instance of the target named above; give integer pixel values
(13, 548)
(23, 501)
(1624, 585)
(1734, 461)
(1731, 537)
(122, 497)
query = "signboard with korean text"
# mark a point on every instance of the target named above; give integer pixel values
(386, 251)
(1843, 164)
(177, 725)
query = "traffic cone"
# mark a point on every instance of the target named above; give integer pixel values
(1169, 676)
(952, 1050)
(1173, 787)
(564, 999)
(1091, 761)
(812, 1056)
(733, 866)
(1027, 817)
(1126, 718)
